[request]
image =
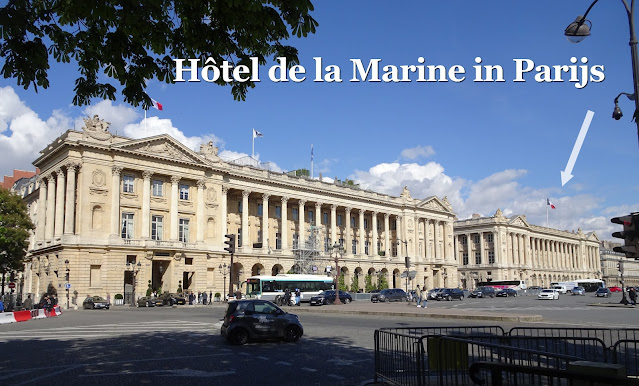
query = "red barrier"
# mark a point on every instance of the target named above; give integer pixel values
(22, 316)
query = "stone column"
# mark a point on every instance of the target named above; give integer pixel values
(199, 214)
(481, 248)
(398, 235)
(348, 238)
(265, 230)
(59, 203)
(146, 204)
(173, 213)
(386, 235)
(445, 246)
(42, 209)
(115, 200)
(246, 237)
(436, 241)
(69, 216)
(284, 223)
(318, 214)
(361, 249)
(333, 224)
(374, 233)
(223, 212)
(300, 222)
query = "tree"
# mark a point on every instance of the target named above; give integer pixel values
(382, 282)
(302, 173)
(368, 283)
(15, 227)
(131, 42)
(355, 284)
(341, 284)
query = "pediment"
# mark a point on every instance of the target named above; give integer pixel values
(592, 236)
(519, 221)
(434, 203)
(161, 146)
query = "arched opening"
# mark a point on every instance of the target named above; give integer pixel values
(257, 269)
(277, 269)
(359, 279)
(345, 274)
(96, 217)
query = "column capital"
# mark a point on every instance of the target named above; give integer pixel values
(147, 174)
(302, 202)
(246, 193)
(59, 172)
(73, 166)
(116, 170)
(362, 211)
(42, 179)
(175, 179)
(201, 183)
(375, 213)
(319, 204)
(333, 207)
(266, 196)
(348, 209)
(386, 216)
(285, 199)
(225, 190)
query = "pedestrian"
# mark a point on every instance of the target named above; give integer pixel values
(633, 296)
(199, 297)
(108, 298)
(418, 297)
(238, 294)
(287, 297)
(1, 305)
(424, 297)
(28, 303)
(190, 298)
(298, 296)
(204, 298)
(48, 306)
(54, 301)
(210, 297)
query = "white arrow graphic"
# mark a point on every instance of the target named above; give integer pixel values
(566, 173)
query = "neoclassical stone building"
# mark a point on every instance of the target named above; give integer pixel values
(107, 203)
(501, 248)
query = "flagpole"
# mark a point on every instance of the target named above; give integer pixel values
(547, 225)
(311, 161)
(253, 147)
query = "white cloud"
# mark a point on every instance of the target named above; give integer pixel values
(417, 152)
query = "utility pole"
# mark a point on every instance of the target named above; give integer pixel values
(624, 300)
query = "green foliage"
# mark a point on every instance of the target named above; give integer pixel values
(119, 296)
(217, 295)
(302, 173)
(382, 282)
(355, 283)
(179, 290)
(15, 225)
(368, 283)
(130, 42)
(149, 290)
(340, 283)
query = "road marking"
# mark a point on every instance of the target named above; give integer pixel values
(263, 358)
(335, 376)
(283, 363)
(307, 369)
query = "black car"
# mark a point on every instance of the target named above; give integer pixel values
(328, 297)
(482, 292)
(390, 295)
(450, 294)
(171, 299)
(148, 301)
(259, 319)
(507, 292)
(603, 292)
(95, 302)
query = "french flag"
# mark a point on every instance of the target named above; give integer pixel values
(549, 203)
(157, 104)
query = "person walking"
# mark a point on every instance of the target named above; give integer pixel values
(418, 296)
(287, 297)
(298, 296)
(203, 298)
(633, 296)
(424, 297)
(199, 297)
(210, 298)
(28, 303)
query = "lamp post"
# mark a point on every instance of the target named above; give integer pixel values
(578, 30)
(66, 265)
(4, 271)
(224, 269)
(133, 268)
(338, 252)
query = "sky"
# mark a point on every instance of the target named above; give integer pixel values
(484, 145)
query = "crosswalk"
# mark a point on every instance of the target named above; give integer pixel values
(101, 331)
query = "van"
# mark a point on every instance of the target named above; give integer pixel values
(562, 289)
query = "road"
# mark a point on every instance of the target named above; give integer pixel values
(170, 345)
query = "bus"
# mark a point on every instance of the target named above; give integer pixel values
(590, 285)
(517, 285)
(272, 287)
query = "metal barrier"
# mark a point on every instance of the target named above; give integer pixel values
(608, 335)
(624, 352)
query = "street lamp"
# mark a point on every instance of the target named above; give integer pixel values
(66, 265)
(133, 268)
(224, 270)
(578, 30)
(338, 250)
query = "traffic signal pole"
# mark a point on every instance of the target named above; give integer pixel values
(230, 241)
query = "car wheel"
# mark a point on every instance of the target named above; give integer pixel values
(514, 295)
(239, 336)
(448, 298)
(292, 334)
(461, 299)
(93, 306)
(347, 300)
(386, 300)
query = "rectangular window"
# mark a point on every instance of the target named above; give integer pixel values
(366, 247)
(341, 242)
(238, 242)
(464, 240)
(394, 249)
(183, 230)
(465, 259)
(158, 188)
(354, 249)
(296, 214)
(127, 225)
(188, 261)
(491, 257)
(157, 227)
(94, 280)
(477, 258)
(325, 218)
(352, 221)
(296, 239)
(184, 191)
(379, 247)
(278, 212)
(239, 207)
(489, 237)
(393, 224)
(339, 220)
(379, 226)
(127, 184)
(260, 209)
(278, 241)
(311, 219)
(365, 223)
(476, 239)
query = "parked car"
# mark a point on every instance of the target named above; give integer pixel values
(506, 292)
(148, 301)
(562, 289)
(579, 291)
(450, 294)
(534, 287)
(432, 294)
(95, 303)
(603, 292)
(390, 295)
(482, 292)
(259, 319)
(328, 297)
(169, 299)
(548, 294)
(614, 289)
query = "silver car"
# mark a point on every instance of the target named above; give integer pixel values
(578, 291)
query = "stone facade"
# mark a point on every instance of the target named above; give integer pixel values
(610, 266)
(501, 248)
(109, 202)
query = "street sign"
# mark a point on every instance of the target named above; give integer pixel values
(67, 286)
(12, 285)
(410, 274)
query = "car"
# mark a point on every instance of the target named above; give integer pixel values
(432, 294)
(614, 289)
(548, 294)
(171, 299)
(534, 287)
(255, 319)
(578, 291)
(603, 292)
(328, 297)
(506, 292)
(562, 289)
(482, 292)
(148, 301)
(95, 303)
(450, 294)
(390, 295)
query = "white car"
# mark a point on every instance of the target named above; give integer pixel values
(548, 294)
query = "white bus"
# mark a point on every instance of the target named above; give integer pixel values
(590, 285)
(272, 287)
(517, 285)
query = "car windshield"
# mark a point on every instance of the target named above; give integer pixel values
(547, 291)
(98, 299)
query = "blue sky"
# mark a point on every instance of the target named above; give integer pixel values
(484, 145)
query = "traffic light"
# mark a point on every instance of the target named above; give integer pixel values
(230, 241)
(407, 261)
(629, 234)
